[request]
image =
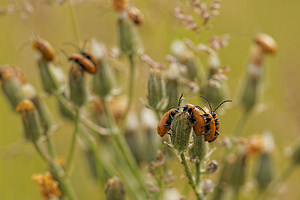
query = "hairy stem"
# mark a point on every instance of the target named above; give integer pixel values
(197, 166)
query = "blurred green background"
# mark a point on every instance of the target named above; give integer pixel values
(241, 19)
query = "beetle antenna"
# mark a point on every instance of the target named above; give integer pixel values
(207, 102)
(180, 99)
(65, 53)
(71, 44)
(84, 44)
(200, 108)
(221, 104)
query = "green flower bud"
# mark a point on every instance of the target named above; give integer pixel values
(172, 92)
(198, 151)
(104, 80)
(50, 76)
(264, 171)
(64, 112)
(78, 92)
(156, 91)
(12, 82)
(296, 156)
(128, 37)
(44, 113)
(181, 132)
(250, 94)
(115, 189)
(238, 172)
(31, 122)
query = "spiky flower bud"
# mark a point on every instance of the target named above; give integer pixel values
(181, 132)
(156, 91)
(264, 171)
(12, 82)
(115, 189)
(128, 37)
(198, 151)
(30, 118)
(78, 92)
(211, 167)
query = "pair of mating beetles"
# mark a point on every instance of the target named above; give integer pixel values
(84, 59)
(204, 123)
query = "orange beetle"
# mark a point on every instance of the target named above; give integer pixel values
(196, 117)
(89, 56)
(212, 122)
(84, 62)
(44, 48)
(135, 15)
(165, 122)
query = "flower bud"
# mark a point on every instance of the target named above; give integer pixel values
(211, 167)
(115, 189)
(216, 87)
(64, 112)
(78, 92)
(207, 187)
(44, 113)
(51, 76)
(12, 82)
(104, 80)
(181, 132)
(250, 94)
(156, 91)
(128, 37)
(31, 122)
(264, 171)
(238, 172)
(198, 151)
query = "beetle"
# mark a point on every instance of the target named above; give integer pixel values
(44, 48)
(196, 117)
(212, 122)
(135, 15)
(164, 124)
(84, 62)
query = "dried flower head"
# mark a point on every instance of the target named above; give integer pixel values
(47, 185)
(266, 42)
(207, 187)
(120, 5)
(25, 106)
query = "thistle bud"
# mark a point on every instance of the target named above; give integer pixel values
(238, 172)
(181, 132)
(115, 189)
(198, 151)
(78, 93)
(31, 122)
(211, 167)
(296, 155)
(104, 80)
(156, 91)
(12, 82)
(51, 76)
(264, 171)
(128, 37)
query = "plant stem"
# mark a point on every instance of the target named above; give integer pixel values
(197, 166)
(73, 144)
(74, 24)
(130, 90)
(241, 124)
(189, 176)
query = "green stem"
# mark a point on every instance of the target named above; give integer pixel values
(42, 154)
(197, 166)
(130, 90)
(73, 144)
(74, 24)
(240, 125)
(189, 176)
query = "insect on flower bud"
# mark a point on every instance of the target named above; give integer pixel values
(181, 132)
(135, 15)
(78, 93)
(12, 82)
(44, 49)
(115, 189)
(198, 151)
(264, 171)
(156, 91)
(211, 167)
(30, 118)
